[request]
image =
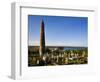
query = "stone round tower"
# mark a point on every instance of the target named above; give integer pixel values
(42, 39)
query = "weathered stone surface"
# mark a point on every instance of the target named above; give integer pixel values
(42, 39)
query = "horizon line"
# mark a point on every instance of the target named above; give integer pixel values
(58, 46)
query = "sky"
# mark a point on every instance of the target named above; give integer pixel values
(59, 30)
